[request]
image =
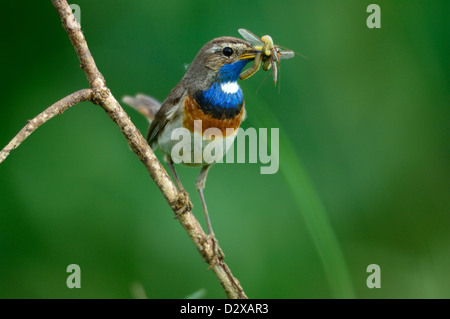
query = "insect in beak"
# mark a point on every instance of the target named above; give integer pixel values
(256, 55)
(267, 52)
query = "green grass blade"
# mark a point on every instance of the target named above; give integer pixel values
(310, 207)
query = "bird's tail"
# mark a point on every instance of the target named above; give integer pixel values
(144, 104)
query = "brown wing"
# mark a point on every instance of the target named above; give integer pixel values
(171, 107)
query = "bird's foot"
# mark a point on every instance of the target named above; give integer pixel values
(183, 204)
(217, 253)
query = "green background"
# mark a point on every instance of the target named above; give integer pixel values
(364, 154)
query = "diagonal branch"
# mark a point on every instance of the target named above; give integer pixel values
(100, 94)
(55, 109)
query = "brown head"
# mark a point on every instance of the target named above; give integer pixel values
(208, 65)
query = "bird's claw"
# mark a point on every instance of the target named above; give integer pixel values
(218, 254)
(183, 204)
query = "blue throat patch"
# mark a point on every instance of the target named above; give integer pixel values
(230, 72)
(219, 103)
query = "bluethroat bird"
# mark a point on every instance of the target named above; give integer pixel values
(209, 92)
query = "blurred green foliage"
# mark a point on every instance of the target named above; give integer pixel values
(363, 121)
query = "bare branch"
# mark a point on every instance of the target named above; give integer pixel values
(55, 109)
(101, 95)
(76, 36)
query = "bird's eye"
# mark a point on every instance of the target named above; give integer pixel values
(227, 51)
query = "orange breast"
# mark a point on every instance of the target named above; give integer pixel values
(192, 112)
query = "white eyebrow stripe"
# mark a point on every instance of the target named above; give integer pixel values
(214, 49)
(229, 87)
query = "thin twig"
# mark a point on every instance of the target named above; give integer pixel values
(178, 201)
(55, 109)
